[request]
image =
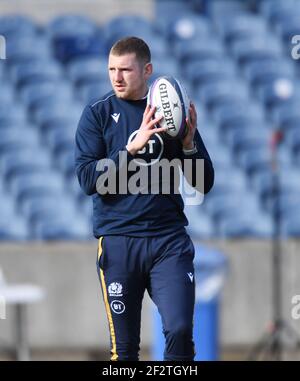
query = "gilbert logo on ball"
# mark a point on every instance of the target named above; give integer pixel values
(171, 101)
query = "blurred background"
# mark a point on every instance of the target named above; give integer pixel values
(235, 59)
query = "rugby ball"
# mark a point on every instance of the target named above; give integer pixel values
(171, 101)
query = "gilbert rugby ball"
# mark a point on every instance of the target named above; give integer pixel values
(171, 101)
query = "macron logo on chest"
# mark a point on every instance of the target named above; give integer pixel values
(115, 117)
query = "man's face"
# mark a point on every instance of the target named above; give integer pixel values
(128, 76)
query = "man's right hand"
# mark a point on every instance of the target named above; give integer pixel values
(146, 130)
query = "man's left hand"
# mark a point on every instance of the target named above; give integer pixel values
(191, 122)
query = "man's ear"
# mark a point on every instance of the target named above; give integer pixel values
(148, 69)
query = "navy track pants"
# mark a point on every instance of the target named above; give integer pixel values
(162, 265)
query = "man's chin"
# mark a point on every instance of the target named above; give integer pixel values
(122, 94)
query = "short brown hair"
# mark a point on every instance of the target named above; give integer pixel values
(132, 44)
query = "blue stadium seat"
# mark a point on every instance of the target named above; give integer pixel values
(188, 27)
(6, 92)
(290, 226)
(165, 66)
(286, 204)
(245, 138)
(247, 49)
(246, 226)
(11, 113)
(281, 90)
(67, 48)
(64, 158)
(262, 182)
(200, 225)
(49, 182)
(237, 114)
(27, 49)
(127, 25)
(220, 156)
(70, 25)
(199, 49)
(60, 228)
(228, 184)
(223, 91)
(57, 113)
(286, 115)
(208, 70)
(37, 206)
(91, 92)
(266, 71)
(16, 25)
(226, 205)
(87, 70)
(36, 94)
(14, 138)
(242, 25)
(58, 138)
(276, 10)
(13, 228)
(36, 72)
(24, 160)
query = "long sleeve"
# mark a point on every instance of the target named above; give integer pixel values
(91, 157)
(206, 178)
(89, 149)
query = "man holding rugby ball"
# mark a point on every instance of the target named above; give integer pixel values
(143, 243)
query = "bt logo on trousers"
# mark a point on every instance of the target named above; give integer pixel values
(117, 307)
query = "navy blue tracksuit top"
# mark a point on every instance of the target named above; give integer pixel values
(105, 128)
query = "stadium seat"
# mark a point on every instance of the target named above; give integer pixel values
(209, 70)
(56, 113)
(11, 113)
(279, 91)
(242, 25)
(200, 225)
(6, 92)
(246, 138)
(227, 183)
(36, 72)
(188, 27)
(238, 113)
(263, 182)
(13, 228)
(70, 25)
(24, 160)
(15, 138)
(49, 182)
(286, 115)
(290, 226)
(223, 91)
(247, 49)
(36, 206)
(229, 204)
(268, 70)
(87, 70)
(27, 49)
(199, 49)
(165, 66)
(91, 92)
(36, 94)
(67, 48)
(242, 226)
(59, 228)
(16, 25)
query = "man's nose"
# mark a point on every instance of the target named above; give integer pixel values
(118, 76)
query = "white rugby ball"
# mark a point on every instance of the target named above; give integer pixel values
(171, 101)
